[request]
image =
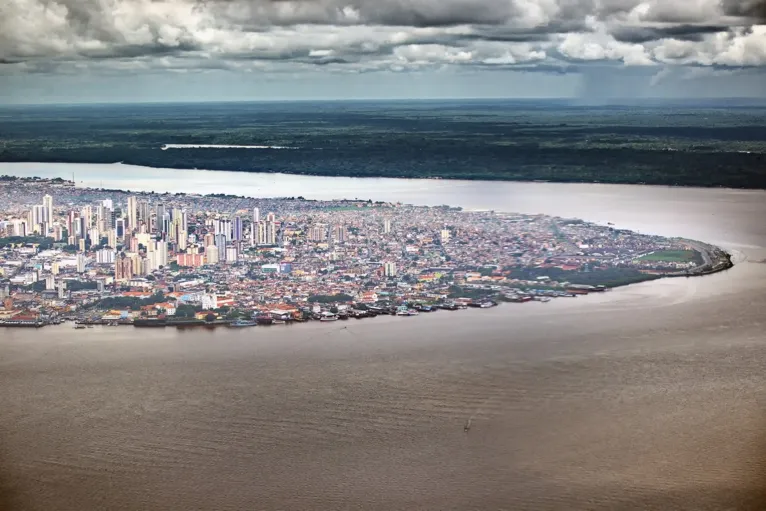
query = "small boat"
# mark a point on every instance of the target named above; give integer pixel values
(328, 316)
(79, 327)
(241, 323)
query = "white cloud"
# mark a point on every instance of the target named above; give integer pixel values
(372, 34)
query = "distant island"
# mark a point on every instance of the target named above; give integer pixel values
(139, 258)
(706, 145)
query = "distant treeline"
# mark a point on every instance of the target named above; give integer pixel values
(492, 141)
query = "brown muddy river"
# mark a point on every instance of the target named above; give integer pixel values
(647, 397)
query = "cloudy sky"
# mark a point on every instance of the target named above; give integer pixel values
(163, 50)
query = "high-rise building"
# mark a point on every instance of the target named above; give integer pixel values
(81, 261)
(386, 226)
(162, 251)
(389, 269)
(223, 226)
(254, 226)
(111, 238)
(231, 254)
(62, 290)
(86, 214)
(339, 234)
(55, 267)
(37, 217)
(48, 205)
(95, 236)
(123, 268)
(267, 234)
(181, 237)
(58, 232)
(50, 282)
(445, 235)
(318, 233)
(119, 230)
(211, 254)
(105, 256)
(159, 217)
(237, 228)
(132, 213)
(144, 212)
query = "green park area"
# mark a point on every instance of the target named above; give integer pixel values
(672, 256)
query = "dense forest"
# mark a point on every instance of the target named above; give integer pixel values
(492, 140)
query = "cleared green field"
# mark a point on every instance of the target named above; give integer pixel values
(672, 256)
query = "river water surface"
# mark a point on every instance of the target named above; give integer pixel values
(651, 396)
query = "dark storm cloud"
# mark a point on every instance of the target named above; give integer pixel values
(683, 32)
(382, 34)
(755, 9)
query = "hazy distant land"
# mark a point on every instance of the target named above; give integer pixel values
(687, 145)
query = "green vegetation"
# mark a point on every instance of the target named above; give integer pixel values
(701, 145)
(77, 285)
(610, 277)
(127, 302)
(674, 256)
(186, 311)
(43, 242)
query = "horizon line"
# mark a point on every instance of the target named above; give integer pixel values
(563, 99)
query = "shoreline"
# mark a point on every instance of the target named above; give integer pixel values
(462, 179)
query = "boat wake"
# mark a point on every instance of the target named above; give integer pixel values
(165, 147)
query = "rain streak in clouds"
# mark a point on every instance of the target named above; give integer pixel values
(357, 36)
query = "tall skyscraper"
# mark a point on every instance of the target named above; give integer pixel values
(254, 226)
(162, 250)
(389, 269)
(386, 226)
(237, 228)
(223, 226)
(267, 233)
(132, 212)
(339, 234)
(37, 217)
(87, 217)
(144, 212)
(120, 229)
(318, 233)
(81, 263)
(48, 205)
